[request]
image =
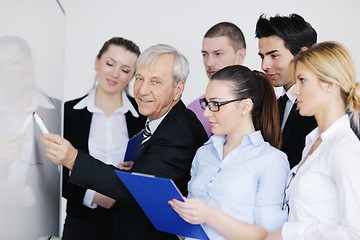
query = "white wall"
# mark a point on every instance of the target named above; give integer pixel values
(183, 24)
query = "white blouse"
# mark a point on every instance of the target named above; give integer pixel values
(108, 135)
(324, 194)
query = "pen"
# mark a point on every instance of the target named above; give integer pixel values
(40, 123)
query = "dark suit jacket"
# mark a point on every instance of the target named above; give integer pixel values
(168, 153)
(76, 130)
(295, 130)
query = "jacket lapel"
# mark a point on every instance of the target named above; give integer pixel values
(290, 122)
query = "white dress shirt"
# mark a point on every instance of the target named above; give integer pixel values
(108, 135)
(324, 195)
(289, 104)
(153, 125)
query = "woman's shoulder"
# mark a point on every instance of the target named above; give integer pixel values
(345, 145)
(274, 156)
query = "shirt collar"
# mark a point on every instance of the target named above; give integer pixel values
(338, 126)
(89, 102)
(290, 94)
(254, 138)
(155, 123)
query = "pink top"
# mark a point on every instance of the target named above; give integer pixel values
(195, 107)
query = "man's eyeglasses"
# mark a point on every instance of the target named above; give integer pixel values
(215, 106)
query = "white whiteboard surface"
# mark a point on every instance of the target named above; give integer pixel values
(31, 79)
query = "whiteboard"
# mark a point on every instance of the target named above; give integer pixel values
(31, 80)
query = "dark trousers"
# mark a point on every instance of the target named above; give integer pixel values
(87, 229)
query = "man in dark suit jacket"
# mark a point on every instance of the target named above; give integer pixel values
(176, 135)
(280, 39)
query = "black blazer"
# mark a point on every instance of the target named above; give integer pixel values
(294, 133)
(168, 153)
(76, 131)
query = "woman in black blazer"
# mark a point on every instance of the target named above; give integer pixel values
(100, 124)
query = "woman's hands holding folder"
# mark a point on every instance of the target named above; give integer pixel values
(194, 211)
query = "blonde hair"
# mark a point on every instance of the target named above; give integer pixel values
(331, 62)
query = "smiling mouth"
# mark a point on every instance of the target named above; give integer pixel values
(271, 75)
(144, 100)
(212, 123)
(111, 81)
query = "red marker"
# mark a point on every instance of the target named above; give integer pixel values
(40, 123)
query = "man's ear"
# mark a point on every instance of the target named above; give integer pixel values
(179, 89)
(240, 56)
(302, 49)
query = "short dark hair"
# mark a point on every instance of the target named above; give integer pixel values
(121, 42)
(294, 30)
(229, 30)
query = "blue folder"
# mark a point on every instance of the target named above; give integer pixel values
(133, 147)
(152, 194)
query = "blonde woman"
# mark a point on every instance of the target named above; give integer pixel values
(100, 124)
(323, 195)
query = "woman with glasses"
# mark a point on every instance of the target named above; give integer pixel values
(238, 177)
(324, 194)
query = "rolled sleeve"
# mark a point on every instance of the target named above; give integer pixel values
(268, 212)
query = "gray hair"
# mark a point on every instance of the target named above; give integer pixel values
(181, 64)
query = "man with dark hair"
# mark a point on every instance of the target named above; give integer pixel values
(223, 45)
(280, 39)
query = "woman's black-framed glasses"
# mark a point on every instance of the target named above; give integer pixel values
(215, 106)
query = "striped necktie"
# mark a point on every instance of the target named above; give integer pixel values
(146, 134)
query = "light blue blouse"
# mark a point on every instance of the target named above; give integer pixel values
(247, 184)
